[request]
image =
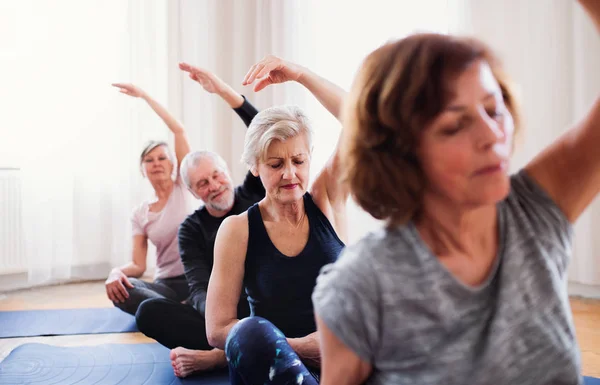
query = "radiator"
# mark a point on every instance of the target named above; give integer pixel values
(12, 252)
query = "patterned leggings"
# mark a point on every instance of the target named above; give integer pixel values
(258, 353)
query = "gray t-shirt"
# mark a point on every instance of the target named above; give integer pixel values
(391, 301)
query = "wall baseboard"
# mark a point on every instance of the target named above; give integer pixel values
(586, 291)
(14, 281)
(84, 273)
(19, 281)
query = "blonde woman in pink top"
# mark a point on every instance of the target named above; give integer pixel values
(158, 220)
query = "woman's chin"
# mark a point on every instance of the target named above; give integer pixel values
(494, 192)
(287, 196)
(154, 178)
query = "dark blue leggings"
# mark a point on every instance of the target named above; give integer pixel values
(258, 353)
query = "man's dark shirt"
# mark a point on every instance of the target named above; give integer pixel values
(198, 232)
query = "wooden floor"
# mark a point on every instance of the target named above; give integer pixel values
(77, 295)
(586, 314)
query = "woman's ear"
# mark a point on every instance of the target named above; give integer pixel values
(254, 171)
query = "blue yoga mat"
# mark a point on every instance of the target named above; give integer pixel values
(29, 323)
(109, 364)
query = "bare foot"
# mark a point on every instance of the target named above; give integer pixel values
(186, 361)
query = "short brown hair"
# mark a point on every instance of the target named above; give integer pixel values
(400, 88)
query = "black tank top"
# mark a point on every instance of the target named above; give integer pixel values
(279, 287)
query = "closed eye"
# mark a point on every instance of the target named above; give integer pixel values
(495, 114)
(455, 128)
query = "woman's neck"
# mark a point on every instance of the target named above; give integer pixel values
(291, 213)
(451, 229)
(163, 188)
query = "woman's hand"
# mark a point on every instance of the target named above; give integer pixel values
(116, 286)
(130, 89)
(272, 70)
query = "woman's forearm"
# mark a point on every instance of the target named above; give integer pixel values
(182, 146)
(592, 7)
(217, 336)
(132, 270)
(230, 96)
(330, 95)
(173, 124)
(307, 348)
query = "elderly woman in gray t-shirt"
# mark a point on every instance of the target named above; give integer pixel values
(466, 284)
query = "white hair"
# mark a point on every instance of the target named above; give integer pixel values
(151, 146)
(274, 123)
(193, 158)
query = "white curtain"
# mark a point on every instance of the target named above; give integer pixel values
(552, 51)
(227, 37)
(75, 138)
(330, 37)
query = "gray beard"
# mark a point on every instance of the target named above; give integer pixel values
(222, 206)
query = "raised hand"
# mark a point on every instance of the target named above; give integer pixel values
(129, 89)
(272, 70)
(209, 81)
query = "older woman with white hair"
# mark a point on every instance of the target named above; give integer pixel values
(276, 249)
(158, 220)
